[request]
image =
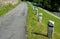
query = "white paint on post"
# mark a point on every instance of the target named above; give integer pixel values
(33, 7)
(36, 11)
(40, 17)
(51, 23)
(50, 28)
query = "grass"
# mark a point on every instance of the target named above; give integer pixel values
(5, 8)
(37, 30)
(19, 1)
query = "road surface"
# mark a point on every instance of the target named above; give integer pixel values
(12, 25)
(56, 13)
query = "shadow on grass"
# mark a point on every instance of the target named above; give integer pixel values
(39, 34)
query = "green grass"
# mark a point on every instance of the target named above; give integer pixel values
(36, 30)
(19, 1)
(47, 17)
(5, 8)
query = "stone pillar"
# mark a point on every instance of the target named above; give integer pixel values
(36, 11)
(50, 29)
(40, 17)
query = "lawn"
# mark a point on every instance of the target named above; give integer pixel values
(37, 30)
(5, 8)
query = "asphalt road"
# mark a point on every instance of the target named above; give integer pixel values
(56, 13)
(12, 25)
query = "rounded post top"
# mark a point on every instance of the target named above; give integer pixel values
(40, 14)
(51, 23)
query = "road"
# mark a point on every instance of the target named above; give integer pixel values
(12, 25)
(56, 13)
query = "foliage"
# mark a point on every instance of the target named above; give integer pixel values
(5, 8)
(37, 30)
(52, 4)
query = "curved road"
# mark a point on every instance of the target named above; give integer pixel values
(12, 25)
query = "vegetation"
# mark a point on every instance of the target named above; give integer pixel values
(5, 8)
(19, 1)
(37, 30)
(53, 5)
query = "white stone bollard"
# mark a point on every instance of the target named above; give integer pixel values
(36, 11)
(34, 7)
(40, 17)
(50, 29)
